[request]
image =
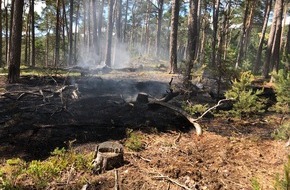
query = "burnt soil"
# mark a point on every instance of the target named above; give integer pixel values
(231, 153)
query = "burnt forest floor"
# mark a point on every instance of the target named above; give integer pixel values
(41, 113)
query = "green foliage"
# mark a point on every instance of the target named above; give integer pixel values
(195, 109)
(255, 184)
(283, 132)
(247, 101)
(284, 183)
(41, 173)
(134, 141)
(282, 88)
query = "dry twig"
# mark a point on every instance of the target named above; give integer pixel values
(172, 181)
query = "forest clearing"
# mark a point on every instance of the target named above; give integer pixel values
(145, 94)
(162, 149)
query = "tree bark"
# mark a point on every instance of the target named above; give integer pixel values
(159, 25)
(173, 36)
(277, 39)
(216, 7)
(109, 34)
(270, 45)
(193, 36)
(100, 24)
(1, 62)
(261, 42)
(15, 53)
(125, 22)
(71, 3)
(32, 34)
(57, 34)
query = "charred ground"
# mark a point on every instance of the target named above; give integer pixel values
(36, 117)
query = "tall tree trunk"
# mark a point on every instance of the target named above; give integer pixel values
(147, 29)
(71, 3)
(1, 54)
(125, 22)
(32, 34)
(64, 27)
(76, 33)
(95, 27)
(261, 42)
(227, 39)
(173, 36)
(6, 35)
(243, 35)
(159, 25)
(270, 45)
(57, 34)
(287, 50)
(10, 30)
(216, 7)
(277, 40)
(119, 19)
(27, 38)
(193, 36)
(15, 53)
(109, 34)
(100, 24)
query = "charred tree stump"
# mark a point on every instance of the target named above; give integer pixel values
(108, 155)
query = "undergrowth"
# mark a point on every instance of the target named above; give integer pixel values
(16, 173)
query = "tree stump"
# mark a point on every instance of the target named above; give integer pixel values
(142, 98)
(108, 155)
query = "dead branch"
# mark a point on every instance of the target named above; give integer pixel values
(182, 112)
(116, 180)
(192, 120)
(172, 181)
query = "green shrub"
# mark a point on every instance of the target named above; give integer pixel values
(284, 182)
(134, 141)
(247, 101)
(195, 109)
(255, 184)
(41, 173)
(282, 88)
(283, 132)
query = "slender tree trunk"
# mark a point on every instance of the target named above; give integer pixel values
(271, 40)
(32, 34)
(64, 27)
(277, 39)
(95, 27)
(227, 28)
(76, 33)
(71, 3)
(125, 22)
(6, 36)
(243, 36)
(262, 39)
(47, 42)
(193, 36)
(109, 34)
(15, 53)
(119, 19)
(173, 36)
(159, 25)
(100, 24)
(287, 51)
(216, 7)
(1, 54)
(10, 31)
(27, 38)
(147, 29)
(57, 35)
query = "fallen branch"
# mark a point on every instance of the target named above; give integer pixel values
(192, 120)
(182, 112)
(172, 181)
